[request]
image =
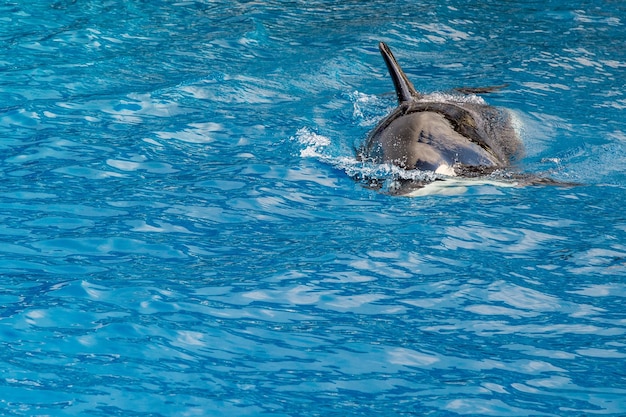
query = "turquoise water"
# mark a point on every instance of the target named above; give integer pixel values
(181, 236)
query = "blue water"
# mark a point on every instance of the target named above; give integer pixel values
(181, 236)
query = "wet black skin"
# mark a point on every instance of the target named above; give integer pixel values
(462, 138)
(458, 138)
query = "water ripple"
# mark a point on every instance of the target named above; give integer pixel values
(180, 235)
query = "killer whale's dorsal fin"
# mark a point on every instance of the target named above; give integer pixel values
(404, 88)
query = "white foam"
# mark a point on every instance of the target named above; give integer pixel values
(445, 170)
(440, 97)
(312, 142)
(457, 186)
(515, 119)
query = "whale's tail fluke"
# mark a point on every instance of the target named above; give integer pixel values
(404, 88)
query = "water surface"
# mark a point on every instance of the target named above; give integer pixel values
(181, 234)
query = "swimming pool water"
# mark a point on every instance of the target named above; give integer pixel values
(181, 236)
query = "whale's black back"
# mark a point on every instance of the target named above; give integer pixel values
(470, 136)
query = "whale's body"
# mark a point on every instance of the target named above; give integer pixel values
(464, 138)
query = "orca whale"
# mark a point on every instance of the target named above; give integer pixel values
(447, 136)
